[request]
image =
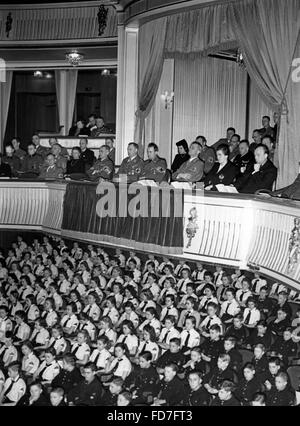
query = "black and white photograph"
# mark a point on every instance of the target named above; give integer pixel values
(149, 206)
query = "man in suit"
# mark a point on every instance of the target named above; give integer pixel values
(87, 154)
(112, 150)
(192, 169)
(40, 150)
(225, 141)
(155, 167)
(261, 176)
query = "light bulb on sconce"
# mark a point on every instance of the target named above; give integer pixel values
(167, 98)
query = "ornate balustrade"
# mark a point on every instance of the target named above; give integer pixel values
(236, 230)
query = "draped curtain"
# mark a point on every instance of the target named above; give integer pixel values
(5, 90)
(151, 59)
(66, 85)
(268, 34)
(210, 96)
(257, 109)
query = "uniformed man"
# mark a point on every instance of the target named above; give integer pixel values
(131, 166)
(112, 150)
(192, 169)
(143, 382)
(64, 151)
(32, 162)
(197, 395)
(155, 167)
(87, 154)
(245, 159)
(20, 153)
(89, 392)
(207, 155)
(171, 388)
(103, 168)
(60, 160)
(267, 130)
(101, 128)
(11, 159)
(5, 170)
(234, 146)
(225, 396)
(70, 376)
(40, 150)
(225, 141)
(282, 395)
(50, 170)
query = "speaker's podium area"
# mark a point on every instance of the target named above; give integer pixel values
(149, 203)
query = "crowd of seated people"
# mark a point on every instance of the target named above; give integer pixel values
(83, 325)
(231, 162)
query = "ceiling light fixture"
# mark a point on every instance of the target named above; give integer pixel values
(74, 58)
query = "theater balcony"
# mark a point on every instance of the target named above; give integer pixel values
(249, 232)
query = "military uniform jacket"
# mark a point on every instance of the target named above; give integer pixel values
(282, 398)
(172, 392)
(145, 380)
(14, 163)
(193, 168)
(208, 156)
(232, 402)
(32, 163)
(155, 169)
(51, 172)
(67, 379)
(101, 169)
(198, 398)
(133, 168)
(246, 389)
(42, 151)
(88, 157)
(89, 394)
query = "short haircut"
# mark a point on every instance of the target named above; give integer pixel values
(283, 376)
(266, 116)
(236, 136)
(245, 141)
(118, 381)
(173, 366)
(224, 148)
(91, 366)
(228, 385)
(259, 397)
(231, 128)
(146, 355)
(59, 391)
(224, 357)
(215, 327)
(134, 144)
(197, 143)
(154, 146)
(70, 359)
(264, 147)
(175, 340)
(249, 366)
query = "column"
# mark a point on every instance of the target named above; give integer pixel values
(126, 89)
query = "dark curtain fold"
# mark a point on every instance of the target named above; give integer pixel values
(146, 233)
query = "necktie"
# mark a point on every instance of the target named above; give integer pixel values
(247, 319)
(216, 278)
(143, 347)
(166, 336)
(186, 342)
(89, 310)
(9, 388)
(74, 351)
(208, 323)
(64, 324)
(255, 284)
(123, 339)
(166, 314)
(116, 366)
(96, 359)
(43, 370)
(227, 308)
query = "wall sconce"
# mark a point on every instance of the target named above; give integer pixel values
(167, 98)
(105, 72)
(74, 58)
(38, 74)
